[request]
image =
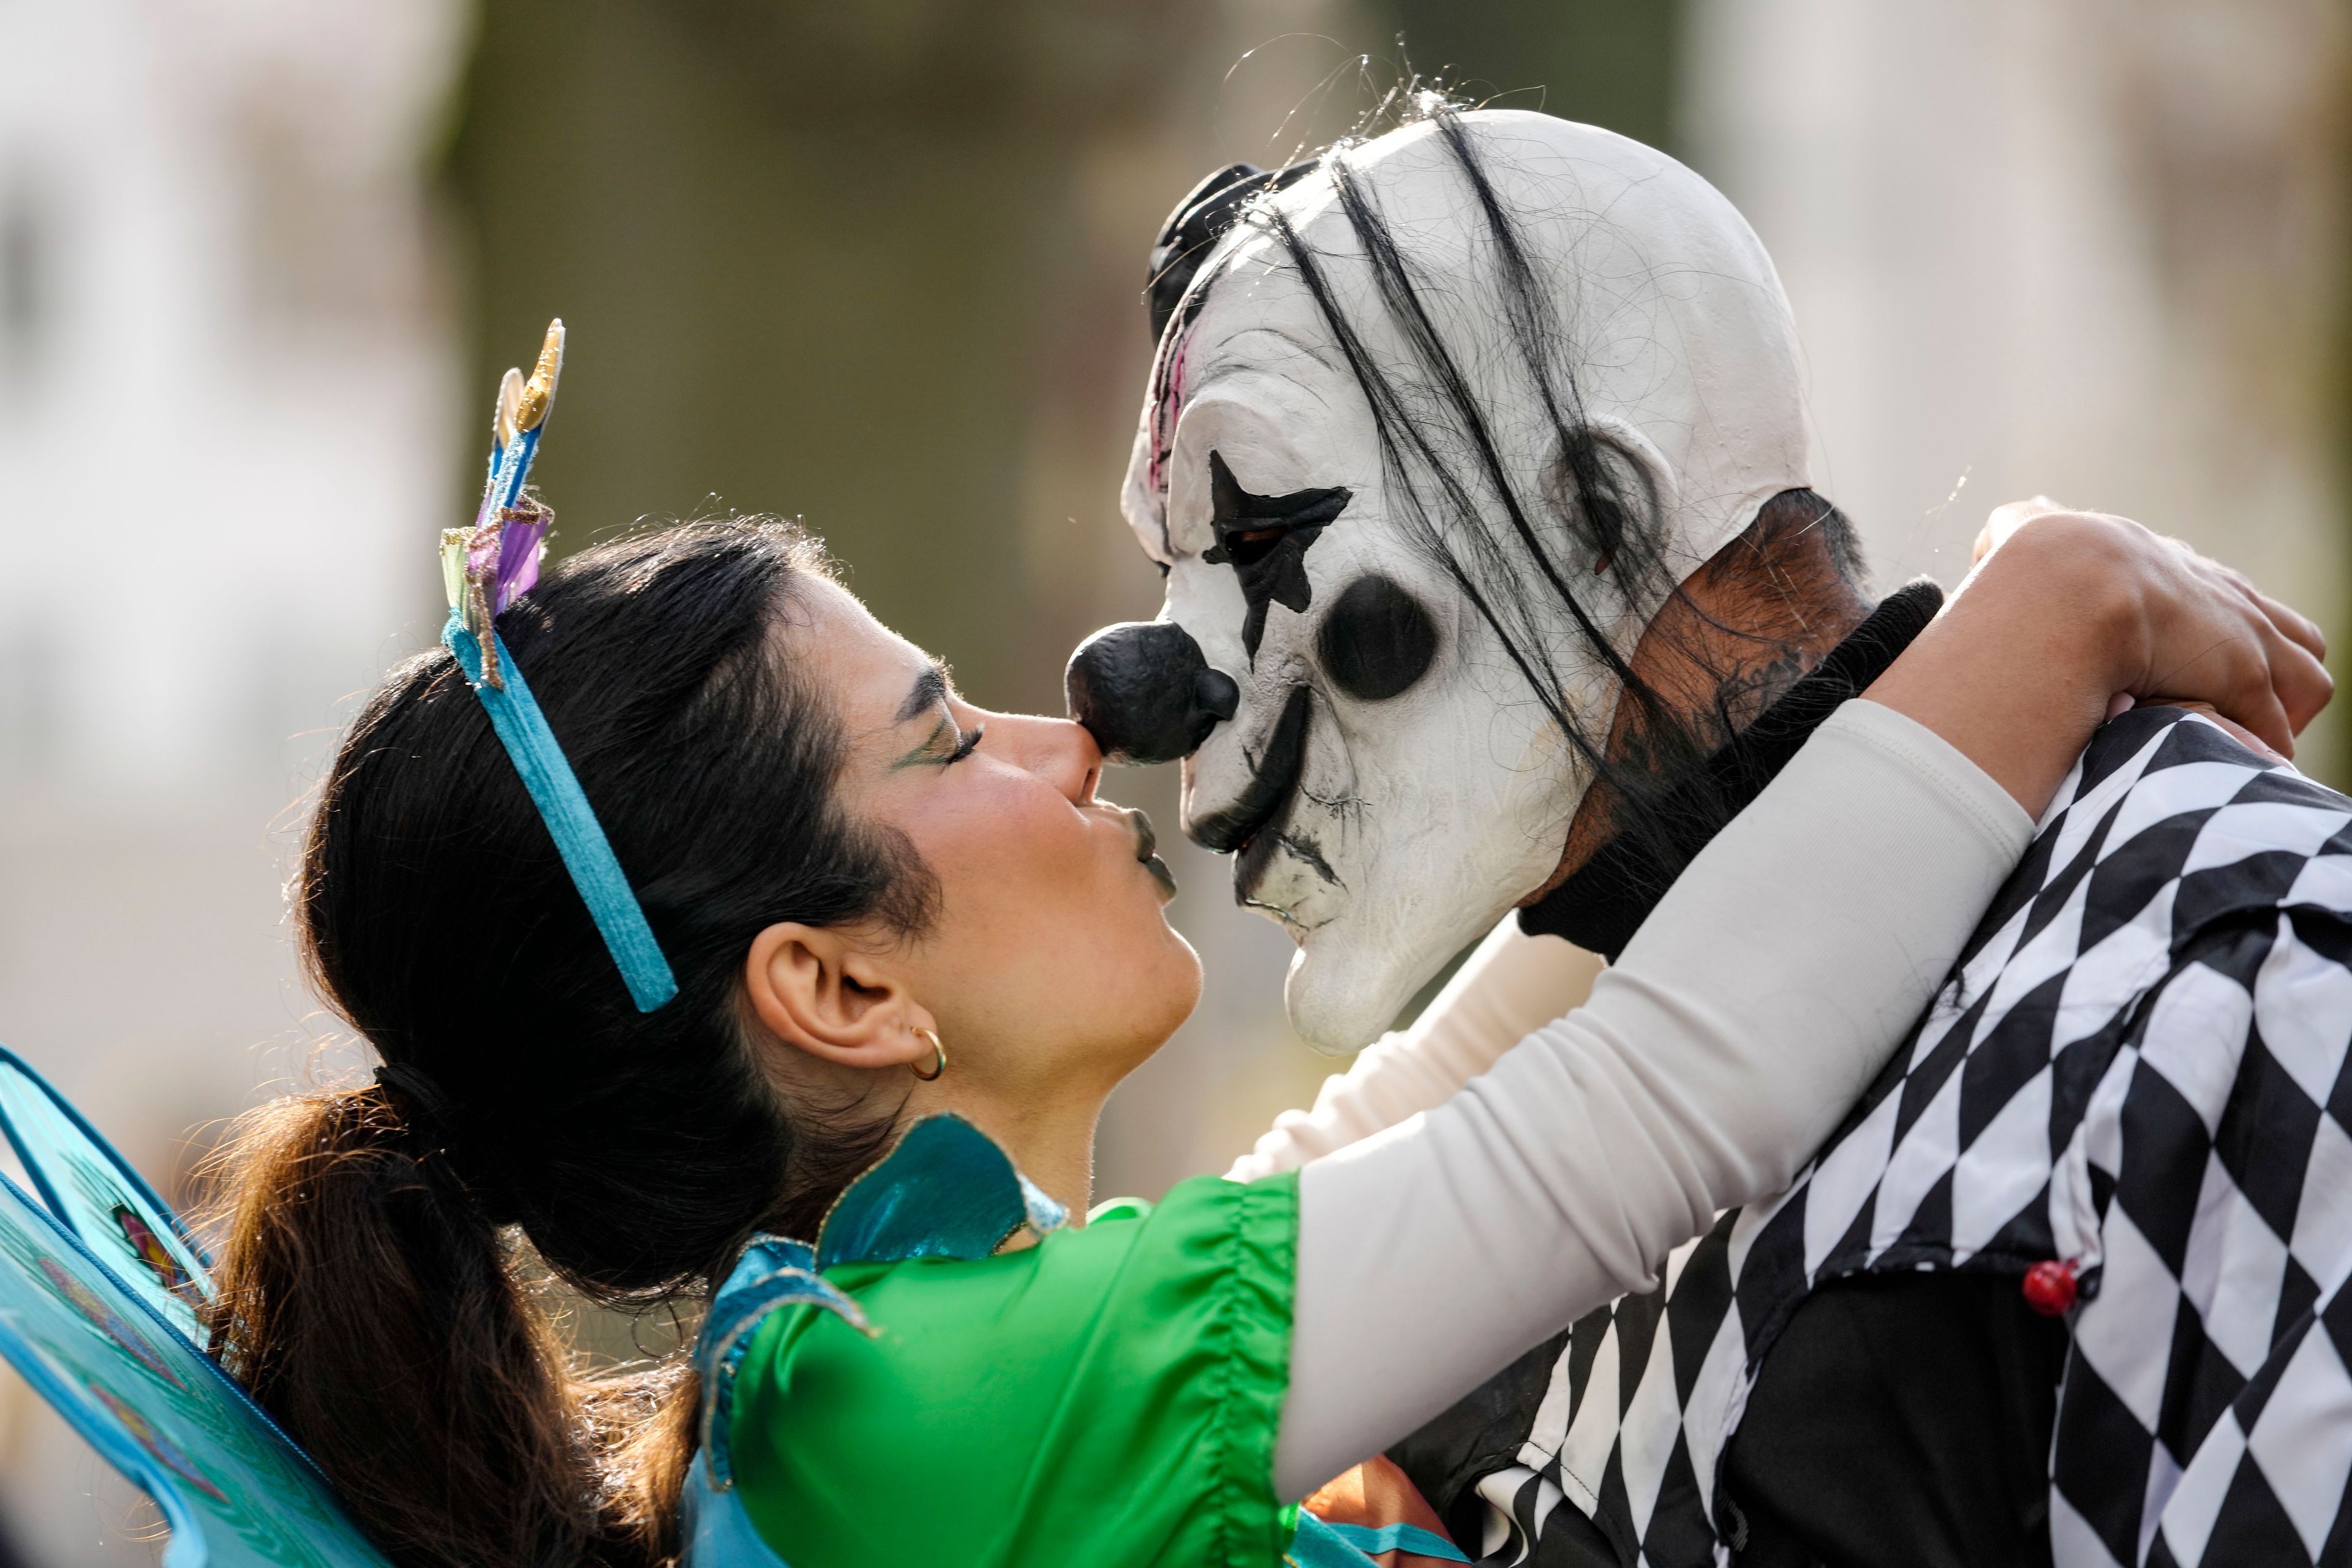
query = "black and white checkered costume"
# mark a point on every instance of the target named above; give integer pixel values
(2138, 1066)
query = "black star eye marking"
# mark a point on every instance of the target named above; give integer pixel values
(1265, 540)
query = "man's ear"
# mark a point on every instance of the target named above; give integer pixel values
(821, 991)
(1628, 469)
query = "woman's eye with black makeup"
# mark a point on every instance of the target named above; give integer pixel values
(967, 743)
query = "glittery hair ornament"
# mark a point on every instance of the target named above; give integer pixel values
(486, 568)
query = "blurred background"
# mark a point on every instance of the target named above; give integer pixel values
(879, 266)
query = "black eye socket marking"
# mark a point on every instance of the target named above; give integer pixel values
(1265, 540)
(1377, 640)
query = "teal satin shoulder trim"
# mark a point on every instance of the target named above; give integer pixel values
(1321, 1545)
(772, 1272)
(946, 1191)
(718, 1529)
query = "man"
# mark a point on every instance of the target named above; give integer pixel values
(2068, 1282)
(1475, 456)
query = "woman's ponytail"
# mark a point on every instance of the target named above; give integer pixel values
(366, 1301)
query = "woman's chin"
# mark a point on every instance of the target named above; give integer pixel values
(1177, 991)
(1143, 975)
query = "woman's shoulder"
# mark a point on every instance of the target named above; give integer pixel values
(918, 1278)
(1168, 1260)
(1151, 1341)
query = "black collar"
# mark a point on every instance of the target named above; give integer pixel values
(1604, 902)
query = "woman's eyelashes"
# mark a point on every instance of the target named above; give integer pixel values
(946, 745)
(966, 743)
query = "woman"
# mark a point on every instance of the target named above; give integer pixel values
(880, 904)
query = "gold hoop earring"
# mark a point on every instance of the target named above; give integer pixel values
(939, 1056)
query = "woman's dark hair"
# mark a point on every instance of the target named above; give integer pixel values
(370, 1293)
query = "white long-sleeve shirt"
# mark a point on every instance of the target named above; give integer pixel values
(1511, 985)
(1755, 1004)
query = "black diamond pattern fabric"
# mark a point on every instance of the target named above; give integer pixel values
(2139, 1066)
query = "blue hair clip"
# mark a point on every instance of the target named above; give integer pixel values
(484, 568)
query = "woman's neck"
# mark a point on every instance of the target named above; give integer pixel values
(1051, 1139)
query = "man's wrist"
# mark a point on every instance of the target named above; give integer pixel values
(2075, 582)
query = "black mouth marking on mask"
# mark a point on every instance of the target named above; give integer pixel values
(1273, 777)
(1310, 853)
(1259, 855)
(1266, 539)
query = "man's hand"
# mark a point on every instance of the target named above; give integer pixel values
(2067, 612)
(2006, 520)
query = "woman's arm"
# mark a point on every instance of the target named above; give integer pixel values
(1511, 985)
(1514, 982)
(1764, 993)
(1750, 1010)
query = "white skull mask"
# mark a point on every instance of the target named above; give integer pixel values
(1439, 423)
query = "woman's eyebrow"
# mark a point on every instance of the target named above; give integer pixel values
(930, 690)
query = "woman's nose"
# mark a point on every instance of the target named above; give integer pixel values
(1056, 750)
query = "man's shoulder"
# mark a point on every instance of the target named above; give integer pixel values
(2150, 1024)
(2184, 756)
(2170, 821)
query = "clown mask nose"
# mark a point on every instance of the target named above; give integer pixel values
(1145, 693)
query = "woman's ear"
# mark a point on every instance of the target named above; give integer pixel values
(820, 991)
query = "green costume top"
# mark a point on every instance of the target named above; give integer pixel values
(902, 1392)
(1109, 1396)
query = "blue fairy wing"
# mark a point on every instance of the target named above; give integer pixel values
(94, 1193)
(234, 1489)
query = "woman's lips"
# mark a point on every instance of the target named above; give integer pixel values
(1147, 851)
